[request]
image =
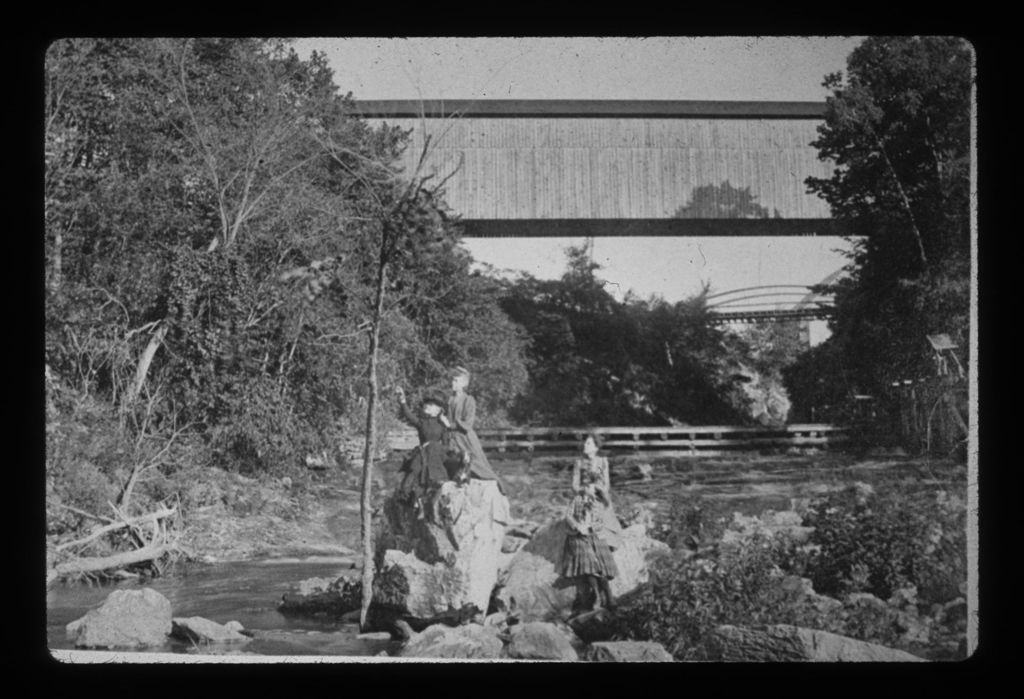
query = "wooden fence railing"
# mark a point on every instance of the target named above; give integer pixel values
(648, 441)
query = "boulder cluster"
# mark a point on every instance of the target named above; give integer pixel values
(468, 582)
(135, 619)
(475, 585)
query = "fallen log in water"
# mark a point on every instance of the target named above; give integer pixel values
(113, 562)
(149, 551)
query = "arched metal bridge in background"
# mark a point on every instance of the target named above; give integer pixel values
(771, 302)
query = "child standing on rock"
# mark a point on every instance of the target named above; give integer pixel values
(586, 557)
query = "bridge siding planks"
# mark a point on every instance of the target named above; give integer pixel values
(618, 168)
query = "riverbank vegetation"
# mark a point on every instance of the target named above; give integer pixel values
(887, 569)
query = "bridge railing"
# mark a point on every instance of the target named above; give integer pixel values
(701, 440)
(722, 317)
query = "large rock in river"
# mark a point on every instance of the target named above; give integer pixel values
(468, 641)
(628, 652)
(126, 619)
(540, 640)
(425, 569)
(785, 643)
(324, 596)
(532, 587)
(196, 629)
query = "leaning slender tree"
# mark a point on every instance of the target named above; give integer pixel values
(406, 214)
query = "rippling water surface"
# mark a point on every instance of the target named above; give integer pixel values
(247, 592)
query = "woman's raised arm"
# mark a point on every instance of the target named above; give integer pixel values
(407, 414)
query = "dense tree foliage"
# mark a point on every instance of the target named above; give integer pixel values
(212, 215)
(596, 360)
(898, 130)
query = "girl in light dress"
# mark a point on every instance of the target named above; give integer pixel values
(592, 469)
(587, 555)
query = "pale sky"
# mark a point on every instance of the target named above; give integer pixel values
(672, 68)
(681, 68)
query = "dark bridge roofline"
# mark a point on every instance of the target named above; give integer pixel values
(658, 227)
(591, 108)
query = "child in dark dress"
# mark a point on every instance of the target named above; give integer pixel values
(586, 555)
(424, 468)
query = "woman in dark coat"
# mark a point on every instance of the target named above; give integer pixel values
(424, 468)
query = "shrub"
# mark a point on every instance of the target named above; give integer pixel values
(90, 456)
(83, 486)
(687, 596)
(86, 457)
(198, 487)
(693, 522)
(879, 544)
(264, 433)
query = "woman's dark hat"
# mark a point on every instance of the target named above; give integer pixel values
(436, 400)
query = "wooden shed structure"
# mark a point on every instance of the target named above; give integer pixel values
(538, 168)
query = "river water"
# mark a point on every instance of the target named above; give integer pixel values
(244, 591)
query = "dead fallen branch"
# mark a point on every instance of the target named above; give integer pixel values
(114, 562)
(150, 550)
(84, 513)
(129, 522)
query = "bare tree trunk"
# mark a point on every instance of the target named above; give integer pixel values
(368, 453)
(947, 396)
(905, 199)
(56, 278)
(143, 368)
(283, 363)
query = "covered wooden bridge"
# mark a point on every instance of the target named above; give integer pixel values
(583, 168)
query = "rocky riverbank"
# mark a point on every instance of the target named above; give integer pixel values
(529, 614)
(319, 519)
